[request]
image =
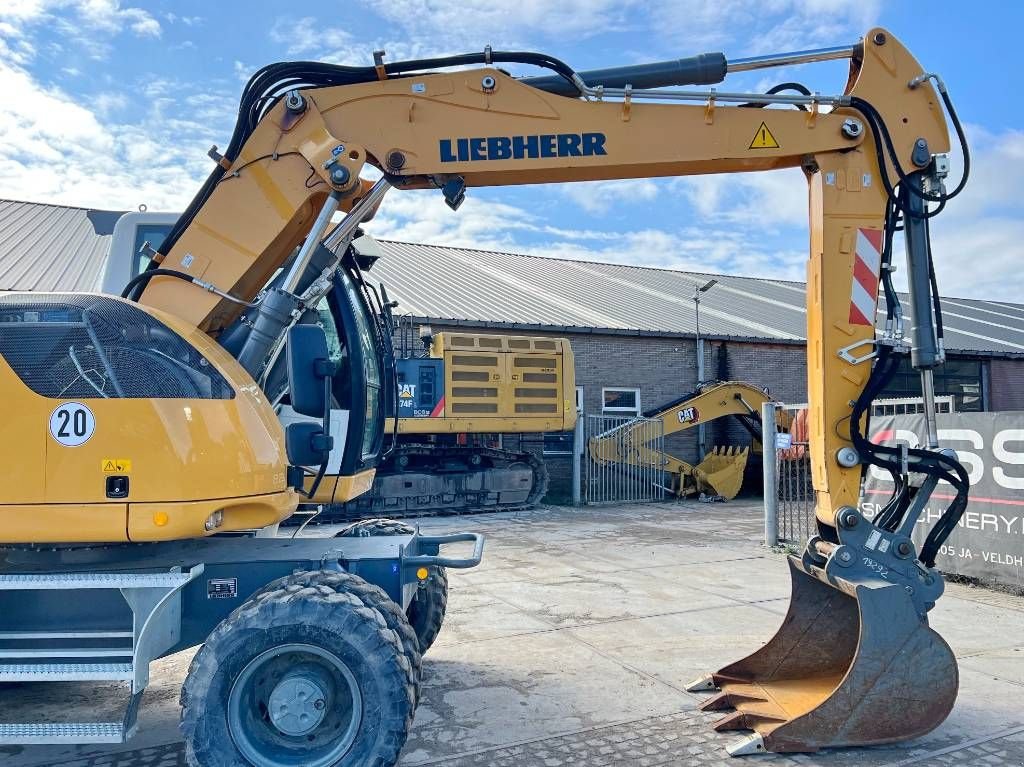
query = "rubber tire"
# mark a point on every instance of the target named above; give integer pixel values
(426, 611)
(368, 528)
(318, 615)
(370, 595)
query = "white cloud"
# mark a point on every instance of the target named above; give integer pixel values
(741, 28)
(306, 35)
(600, 196)
(309, 37)
(88, 23)
(686, 26)
(475, 23)
(57, 150)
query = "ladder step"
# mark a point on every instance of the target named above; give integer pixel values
(69, 652)
(62, 732)
(65, 672)
(13, 636)
(49, 581)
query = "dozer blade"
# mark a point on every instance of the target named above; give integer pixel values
(853, 664)
(721, 471)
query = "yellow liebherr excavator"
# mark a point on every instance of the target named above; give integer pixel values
(856, 646)
(721, 471)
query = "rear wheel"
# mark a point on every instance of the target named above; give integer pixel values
(426, 612)
(311, 677)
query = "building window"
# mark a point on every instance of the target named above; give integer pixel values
(561, 442)
(620, 401)
(958, 377)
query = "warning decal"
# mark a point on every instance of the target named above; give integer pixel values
(763, 139)
(116, 466)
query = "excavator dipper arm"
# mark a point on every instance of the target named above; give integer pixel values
(839, 672)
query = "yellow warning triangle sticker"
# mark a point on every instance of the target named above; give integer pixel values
(764, 139)
(109, 466)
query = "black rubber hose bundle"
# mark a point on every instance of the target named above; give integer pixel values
(272, 81)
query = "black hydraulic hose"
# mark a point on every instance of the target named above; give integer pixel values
(270, 82)
(925, 462)
(137, 284)
(775, 89)
(884, 145)
(936, 301)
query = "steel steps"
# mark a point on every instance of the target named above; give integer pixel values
(114, 644)
(62, 732)
(48, 581)
(67, 672)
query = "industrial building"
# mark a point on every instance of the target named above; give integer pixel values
(634, 330)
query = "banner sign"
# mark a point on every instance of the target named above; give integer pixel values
(989, 542)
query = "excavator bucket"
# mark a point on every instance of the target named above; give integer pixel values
(721, 471)
(853, 664)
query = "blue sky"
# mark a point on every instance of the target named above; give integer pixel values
(110, 104)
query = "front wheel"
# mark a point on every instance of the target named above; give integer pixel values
(312, 678)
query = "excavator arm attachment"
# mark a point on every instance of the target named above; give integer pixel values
(721, 470)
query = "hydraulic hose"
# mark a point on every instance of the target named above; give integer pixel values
(270, 82)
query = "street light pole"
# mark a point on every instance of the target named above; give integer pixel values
(697, 291)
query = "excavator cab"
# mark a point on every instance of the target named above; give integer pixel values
(362, 386)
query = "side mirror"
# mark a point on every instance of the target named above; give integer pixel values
(309, 363)
(307, 444)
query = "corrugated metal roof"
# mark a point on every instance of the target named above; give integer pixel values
(488, 287)
(52, 247)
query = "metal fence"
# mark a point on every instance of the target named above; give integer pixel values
(908, 405)
(794, 487)
(789, 510)
(624, 460)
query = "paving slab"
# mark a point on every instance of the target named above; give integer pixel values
(571, 645)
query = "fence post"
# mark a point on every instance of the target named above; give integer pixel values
(769, 451)
(577, 460)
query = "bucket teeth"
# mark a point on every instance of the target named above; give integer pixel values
(748, 720)
(752, 744)
(702, 684)
(727, 700)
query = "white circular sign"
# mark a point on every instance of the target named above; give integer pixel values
(72, 424)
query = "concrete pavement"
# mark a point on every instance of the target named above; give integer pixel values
(572, 644)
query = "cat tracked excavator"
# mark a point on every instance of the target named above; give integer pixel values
(147, 420)
(720, 473)
(453, 404)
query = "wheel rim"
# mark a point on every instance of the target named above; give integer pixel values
(296, 705)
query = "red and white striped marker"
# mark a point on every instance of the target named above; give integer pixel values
(867, 260)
